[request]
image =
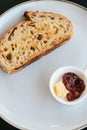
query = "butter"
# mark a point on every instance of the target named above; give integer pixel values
(60, 89)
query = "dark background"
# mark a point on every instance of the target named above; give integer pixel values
(5, 5)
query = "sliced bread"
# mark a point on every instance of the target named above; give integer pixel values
(33, 38)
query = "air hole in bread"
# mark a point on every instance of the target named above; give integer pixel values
(32, 25)
(16, 45)
(56, 29)
(61, 26)
(45, 41)
(67, 27)
(60, 38)
(9, 56)
(31, 32)
(60, 18)
(12, 45)
(39, 37)
(17, 57)
(5, 49)
(28, 42)
(65, 31)
(52, 18)
(12, 48)
(32, 48)
(23, 52)
(21, 62)
(42, 16)
(3, 56)
(22, 25)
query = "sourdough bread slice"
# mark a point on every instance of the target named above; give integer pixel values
(33, 38)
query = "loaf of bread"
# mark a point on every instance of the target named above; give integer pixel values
(33, 38)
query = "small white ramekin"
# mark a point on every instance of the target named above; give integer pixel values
(57, 75)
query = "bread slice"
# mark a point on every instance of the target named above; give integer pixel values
(33, 38)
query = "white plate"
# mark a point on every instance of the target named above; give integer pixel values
(25, 99)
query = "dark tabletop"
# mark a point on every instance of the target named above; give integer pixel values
(5, 5)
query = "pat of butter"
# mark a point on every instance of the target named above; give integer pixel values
(60, 89)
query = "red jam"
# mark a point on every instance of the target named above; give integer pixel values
(74, 85)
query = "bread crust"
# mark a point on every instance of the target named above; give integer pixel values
(29, 19)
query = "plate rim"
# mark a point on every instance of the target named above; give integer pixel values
(29, 1)
(6, 12)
